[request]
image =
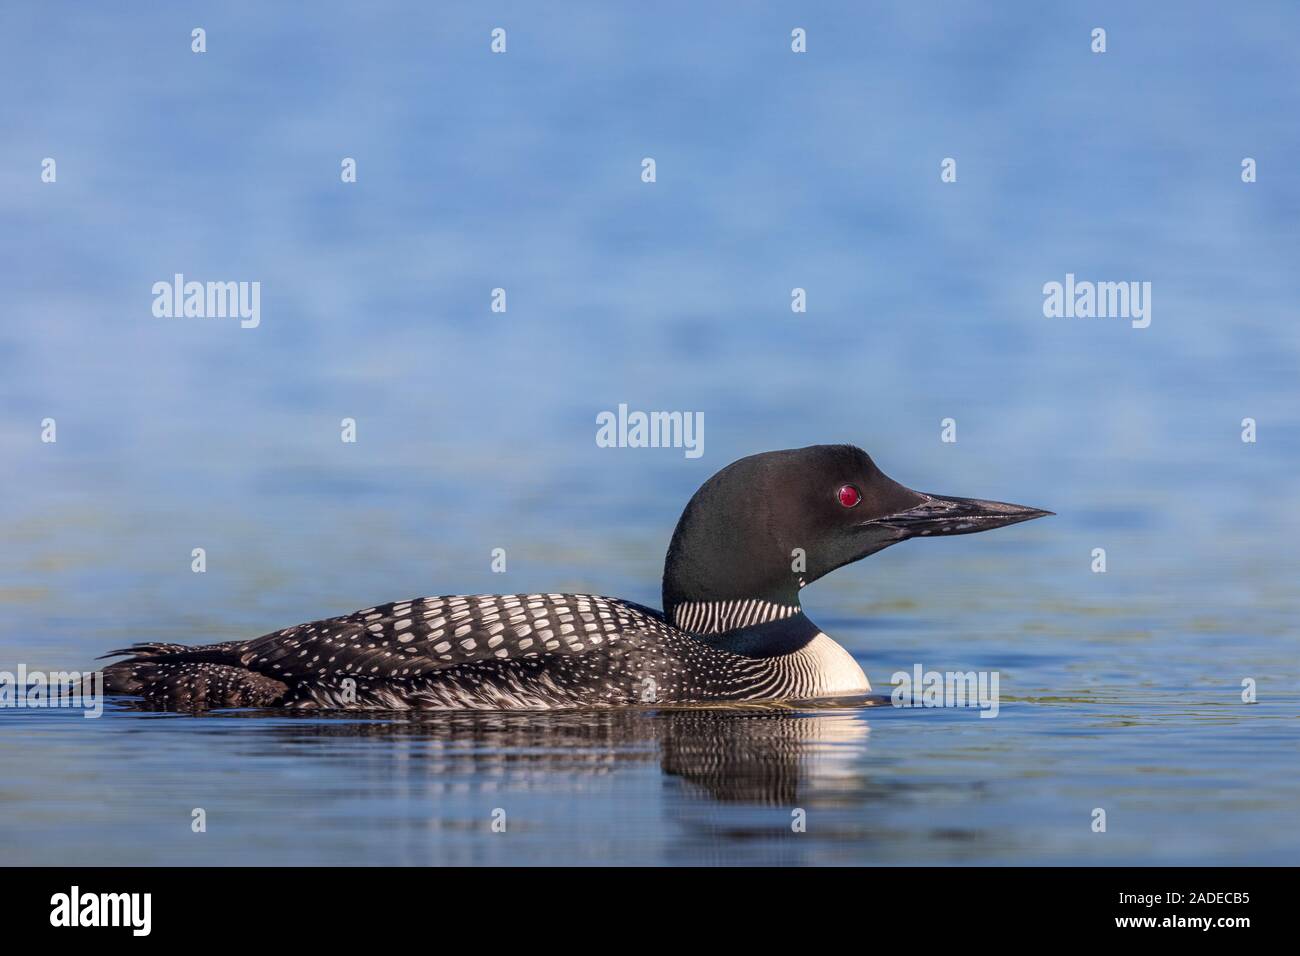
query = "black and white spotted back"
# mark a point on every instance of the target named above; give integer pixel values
(421, 635)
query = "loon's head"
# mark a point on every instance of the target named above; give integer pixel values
(766, 525)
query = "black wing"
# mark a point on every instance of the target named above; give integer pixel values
(424, 635)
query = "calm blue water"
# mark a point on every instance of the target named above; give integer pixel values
(476, 429)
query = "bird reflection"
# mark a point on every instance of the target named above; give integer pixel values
(761, 756)
(766, 755)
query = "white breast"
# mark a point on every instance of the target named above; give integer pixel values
(833, 671)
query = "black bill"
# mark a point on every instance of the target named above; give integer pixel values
(937, 515)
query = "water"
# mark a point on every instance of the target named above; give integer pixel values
(1121, 690)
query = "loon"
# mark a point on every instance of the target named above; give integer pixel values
(732, 629)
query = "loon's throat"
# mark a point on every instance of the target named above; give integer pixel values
(751, 628)
(705, 618)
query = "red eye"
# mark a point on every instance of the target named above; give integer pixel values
(849, 496)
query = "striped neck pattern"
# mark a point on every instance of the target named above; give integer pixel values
(719, 617)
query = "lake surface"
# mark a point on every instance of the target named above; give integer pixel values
(1125, 701)
(476, 430)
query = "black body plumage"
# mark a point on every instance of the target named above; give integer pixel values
(481, 651)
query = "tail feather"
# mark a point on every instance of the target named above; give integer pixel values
(177, 677)
(147, 649)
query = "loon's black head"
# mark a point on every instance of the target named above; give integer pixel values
(766, 525)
